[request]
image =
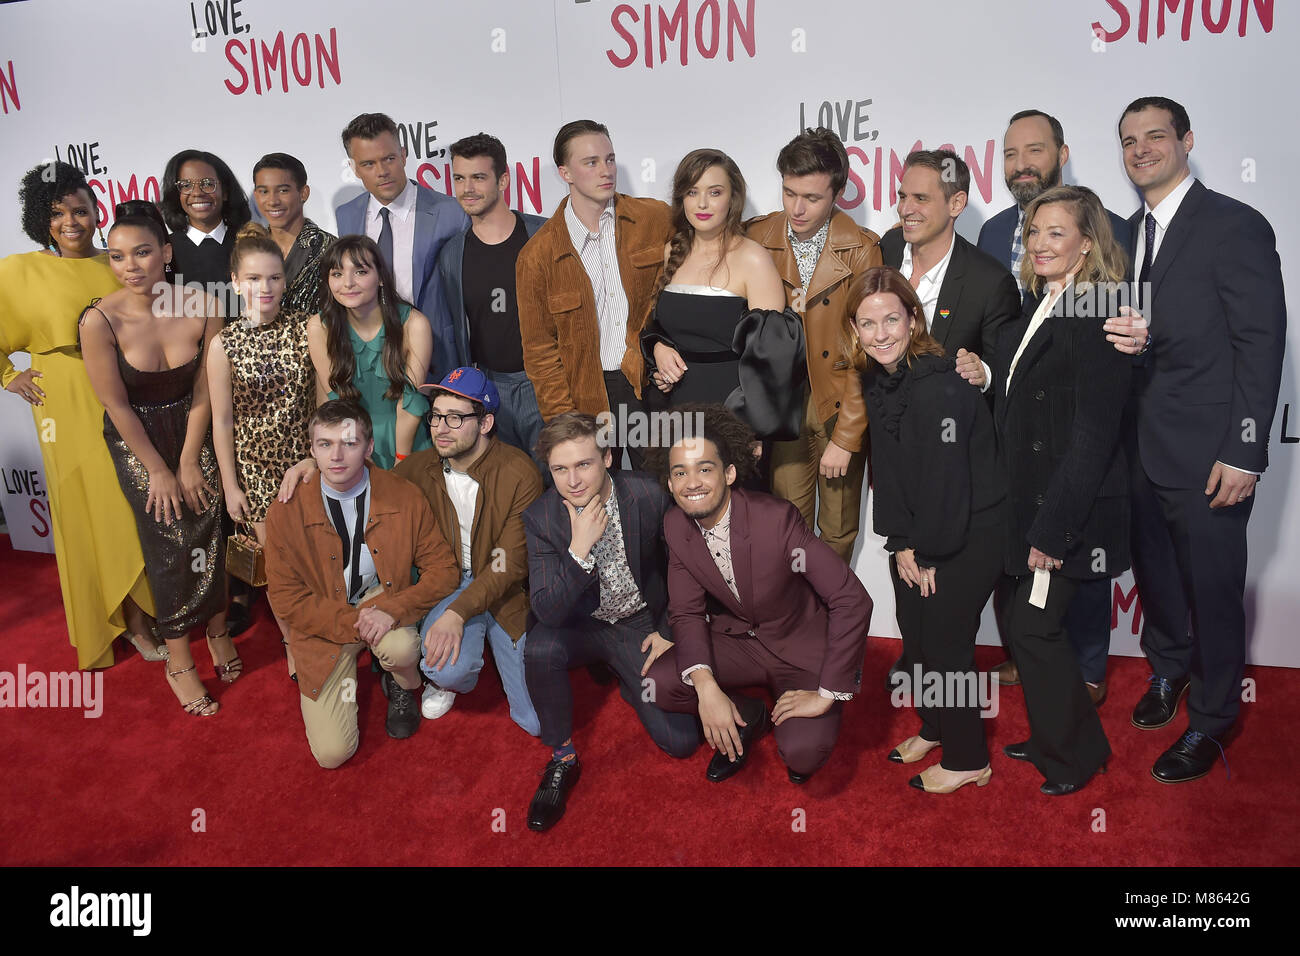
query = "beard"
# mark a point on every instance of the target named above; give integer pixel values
(1027, 192)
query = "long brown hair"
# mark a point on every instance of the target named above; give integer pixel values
(882, 280)
(362, 252)
(694, 165)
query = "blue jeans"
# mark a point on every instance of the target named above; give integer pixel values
(462, 676)
(518, 420)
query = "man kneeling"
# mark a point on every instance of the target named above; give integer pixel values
(754, 599)
(339, 558)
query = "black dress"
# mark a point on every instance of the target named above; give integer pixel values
(700, 322)
(185, 560)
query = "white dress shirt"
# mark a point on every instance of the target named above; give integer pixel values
(599, 256)
(463, 492)
(927, 289)
(1040, 316)
(401, 215)
(197, 235)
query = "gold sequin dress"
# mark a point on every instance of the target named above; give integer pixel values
(185, 561)
(273, 395)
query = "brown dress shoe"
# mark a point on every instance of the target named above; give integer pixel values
(1097, 692)
(1007, 673)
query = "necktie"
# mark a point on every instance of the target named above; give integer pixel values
(386, 237)
(1145, 274)
(1018, 251)
(351, 541)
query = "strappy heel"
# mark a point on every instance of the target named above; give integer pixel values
(230, 670)
(198, 707)
(147, 648)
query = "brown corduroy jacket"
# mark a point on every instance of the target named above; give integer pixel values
(557, 307)
(304, 569)
(850, 250)
(508, 482)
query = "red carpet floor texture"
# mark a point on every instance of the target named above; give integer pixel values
(145, 784)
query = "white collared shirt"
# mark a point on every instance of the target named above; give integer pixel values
(927, 289)
(1164, 215)
(463, 492)
(599, 255)
(401, 214)
(1040, 316)
(197, 235)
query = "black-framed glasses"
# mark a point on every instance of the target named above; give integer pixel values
(453, 419)
(203, 185)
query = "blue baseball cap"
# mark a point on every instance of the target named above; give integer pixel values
(469, 383)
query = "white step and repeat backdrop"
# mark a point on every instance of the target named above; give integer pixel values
(142, 80)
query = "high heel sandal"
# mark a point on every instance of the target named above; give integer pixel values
(912, 749)
(923, 780)
(230, 670)
(147, 648)
(198, 707)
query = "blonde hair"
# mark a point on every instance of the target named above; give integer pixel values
(1103, 262)
(252, 237)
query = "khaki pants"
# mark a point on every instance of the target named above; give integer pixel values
(796, 478)
(331, 719)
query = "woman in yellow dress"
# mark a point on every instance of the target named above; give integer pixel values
(101, 566)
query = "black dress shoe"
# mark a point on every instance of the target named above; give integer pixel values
(601, 673)
(403, 708)
(1018, 751)
(1061, 789)
(547, 805)
(754, 714)
(800, 778)
(1189, 759)
(898, 676)
(1160, 703)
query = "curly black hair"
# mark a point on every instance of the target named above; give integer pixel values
(734, 439)
(41, 188)
(234, 202)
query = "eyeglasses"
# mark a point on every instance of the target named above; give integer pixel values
(453, 419)
(203, 185)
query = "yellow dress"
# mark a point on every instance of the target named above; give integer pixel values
(95, 539)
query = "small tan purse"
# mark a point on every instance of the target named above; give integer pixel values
(245, 558)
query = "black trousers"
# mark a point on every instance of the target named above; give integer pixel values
(1190, 566)
(622, 404)
(549, 654)
(939, 634)
(1066, 741)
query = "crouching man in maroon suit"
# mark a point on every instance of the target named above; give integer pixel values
(754, 599)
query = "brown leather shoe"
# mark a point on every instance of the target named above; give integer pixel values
(1007, 673)
(1097, 693)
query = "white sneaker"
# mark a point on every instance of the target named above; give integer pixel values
(435, 702)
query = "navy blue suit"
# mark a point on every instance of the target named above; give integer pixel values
(437, 219)
(1205, 391)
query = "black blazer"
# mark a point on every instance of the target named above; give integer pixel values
(561, 593)
(1058, 435)
(978, 293)
(204, 266)
(1218, 331)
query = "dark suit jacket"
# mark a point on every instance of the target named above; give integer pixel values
(437, 219)
(561, 593)
(978, 293)
(996, 234)
(797, 597)
(450, 262)
(1058, 432)
(1208, 388)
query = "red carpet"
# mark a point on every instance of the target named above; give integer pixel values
(127, 788)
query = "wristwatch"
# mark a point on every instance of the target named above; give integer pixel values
(586, 564)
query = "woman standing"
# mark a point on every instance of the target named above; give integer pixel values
(369, 345)
(937, 500)
(263, 389)
(1060, 391)
(101, 567)
(144, 348)
(714, 281)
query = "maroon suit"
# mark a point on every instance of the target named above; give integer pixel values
(800, 624)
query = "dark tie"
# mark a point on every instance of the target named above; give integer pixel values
(386, 237)
(1147, 256)
(351, 541)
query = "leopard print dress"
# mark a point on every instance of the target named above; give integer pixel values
(273, 388)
